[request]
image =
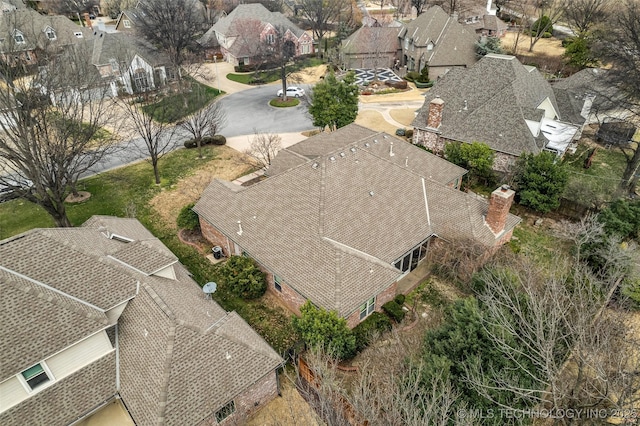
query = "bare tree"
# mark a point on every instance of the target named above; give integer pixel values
(321, 14)
(51, 121)
(551, 9)
(582, 15)
(573, 353)
(263, 149)
(145, 119)
(171, 25)
(619, 46)
(204, 123)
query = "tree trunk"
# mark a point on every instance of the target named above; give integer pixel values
(156, 170)
(58, 212)
(199, 142)
(630, 175)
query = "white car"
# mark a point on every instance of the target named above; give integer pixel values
(292, 91)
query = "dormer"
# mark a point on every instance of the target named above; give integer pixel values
(50, 33)
(18, 37)
(430, 46)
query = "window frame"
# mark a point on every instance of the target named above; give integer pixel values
(226, 411)
(39, 385)
(126, 23)
(21, 36)
(367, 308)
(271, 38)
(277, 283)
(50, 31)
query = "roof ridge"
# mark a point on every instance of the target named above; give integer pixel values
(158, 300)
(217, 328)
(166, 373)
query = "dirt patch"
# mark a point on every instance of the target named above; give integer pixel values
(226, 166)
(548, 46)
(404, 116)
(374, 120)
(80, 197)
(309, 75)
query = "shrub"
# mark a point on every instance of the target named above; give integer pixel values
(191, 143)
(218, 140)
(424, 75)
(374, 324)
(399, 299)
(400, 85)
(243, 277)
(401, 132)
(188, 219)
(542, 26)
(408, 133)
(321, 328)
(412, 76)
(394, 310)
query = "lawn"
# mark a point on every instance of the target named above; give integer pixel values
(130, 191)
(597, 184)
(172, 108)
(271, 75)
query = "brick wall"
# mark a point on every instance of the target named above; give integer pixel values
(256, 396)
(216, 237)
(68, 399)
(291, 298)
(381, 298)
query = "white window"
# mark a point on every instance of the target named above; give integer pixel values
(271, 38)
(367, 308)
(406, 44)
(141, 80)
(114, 68)
(35, 376)
(225, 411)
(18, 37)
(430, 46)
(277, 283)
(51, 34)
(126, 23)
(78, 34)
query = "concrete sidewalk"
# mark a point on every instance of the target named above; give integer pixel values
(243, 143)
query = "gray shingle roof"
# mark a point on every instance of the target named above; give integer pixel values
(372, 39)
(122, 48)
(32, 25)
(170, 332)
(454, 44)
(331, 227)
(500, 94)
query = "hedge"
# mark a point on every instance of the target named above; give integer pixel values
(208, 140)
(375, 323)
(394, 310)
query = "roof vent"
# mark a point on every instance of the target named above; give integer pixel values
(342, 154)
(371, 193)
(332, 158)
(391, 154)
(314, 166)
(385, 136)
(375, 141)
(466, 105)
(406, 162)
(353, 149)
(239, 228)
(366, 144)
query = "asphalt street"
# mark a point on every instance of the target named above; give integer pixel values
(249, 112)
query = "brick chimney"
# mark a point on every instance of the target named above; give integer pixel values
(434, 118)
(87, 20)
(499, 205)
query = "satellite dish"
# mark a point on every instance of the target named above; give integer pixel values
(209, 288)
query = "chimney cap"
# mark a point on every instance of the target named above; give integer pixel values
(505, 187)
(437, 100)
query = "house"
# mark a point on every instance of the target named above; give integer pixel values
(371, 47)
(344, 215)
(25, 34)
(106, 311)
(439, 41)
(127, 21)
(6, 7)
(500, 102)
(247, 34)
(485, 22)
(130, 64)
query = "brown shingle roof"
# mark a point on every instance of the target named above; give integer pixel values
(333, 226)
(38, 322)
(372, 40)
(143, 257)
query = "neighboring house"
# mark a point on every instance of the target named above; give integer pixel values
(245, 35)
(344, 215)
(6, 7)
(371, 47)
(25, 34)
(127, 21)
(439, 41)
(130, 64)
(106, 311)
(500, 102)
(485, 22)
